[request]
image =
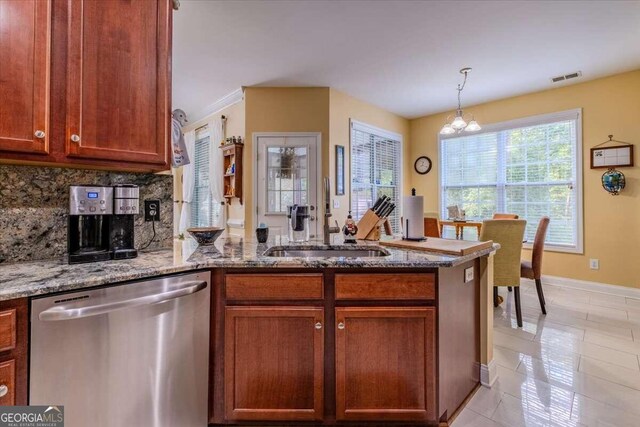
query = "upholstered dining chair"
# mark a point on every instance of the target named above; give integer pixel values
(431, 225)
(533, 269)
(509, 233)
(504, 216)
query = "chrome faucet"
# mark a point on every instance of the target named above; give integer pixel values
(328, 230)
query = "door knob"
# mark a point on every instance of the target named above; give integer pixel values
(3, 390)
(39, 134)
(75, 138)
(341, 325)
(319, 325)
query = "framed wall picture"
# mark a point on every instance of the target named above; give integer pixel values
(339, 170)
(611, 156)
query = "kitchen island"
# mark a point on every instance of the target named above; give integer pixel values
(328, 341)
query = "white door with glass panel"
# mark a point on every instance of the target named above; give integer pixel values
(287, 175)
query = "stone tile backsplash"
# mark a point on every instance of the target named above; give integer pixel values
(34, 202)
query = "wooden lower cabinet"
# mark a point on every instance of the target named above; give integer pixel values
(14, 335)
(385, 364)
(274, 363)
(8, 383)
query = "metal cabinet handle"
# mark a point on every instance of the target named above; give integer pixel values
(75, 138)
(39, 134)
(78, 309)
(3, 390)
(341, 325)
(319, 325)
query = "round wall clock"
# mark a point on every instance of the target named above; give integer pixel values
(422, 165)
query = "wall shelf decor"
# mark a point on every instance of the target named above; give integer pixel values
(618, 155)
(232, 171)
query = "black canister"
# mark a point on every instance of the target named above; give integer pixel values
(298, 222)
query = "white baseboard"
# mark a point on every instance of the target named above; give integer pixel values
(585, 285)
(489, 373)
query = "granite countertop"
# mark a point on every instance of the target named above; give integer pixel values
(28, 279)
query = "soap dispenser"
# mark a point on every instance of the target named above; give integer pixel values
(350, 229)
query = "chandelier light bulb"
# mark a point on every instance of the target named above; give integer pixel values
(473, 126)
(447, 130)
(458, 123)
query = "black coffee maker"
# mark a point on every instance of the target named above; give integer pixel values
(101, 223)
(90, 208)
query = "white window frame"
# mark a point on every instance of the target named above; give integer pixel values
(574, 114)
(383, 133)
(194, 207)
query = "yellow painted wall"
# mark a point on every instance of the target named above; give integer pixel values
(343, 108)
(610, 105)
(278, 109)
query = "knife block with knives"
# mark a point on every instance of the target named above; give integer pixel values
(370, 223)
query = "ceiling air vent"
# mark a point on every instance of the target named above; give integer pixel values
(566, 77)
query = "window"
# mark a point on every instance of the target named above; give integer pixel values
(287, 170)
(204, 213)
(530, 167)
(376, 169)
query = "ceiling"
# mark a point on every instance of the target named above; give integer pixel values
(403, 56)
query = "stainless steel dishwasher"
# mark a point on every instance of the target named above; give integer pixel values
(132, 354)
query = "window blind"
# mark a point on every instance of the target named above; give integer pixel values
(376, 161)
(204, 213)
(530, 170)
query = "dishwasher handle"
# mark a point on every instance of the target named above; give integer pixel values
(114, 304)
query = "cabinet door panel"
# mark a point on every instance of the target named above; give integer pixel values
(8, 380)
(274, 363)
(385, 364)
(25, 28)
(118, 80)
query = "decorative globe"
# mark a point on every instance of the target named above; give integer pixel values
(613, 181)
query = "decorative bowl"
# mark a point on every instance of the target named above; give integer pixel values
(205, 235)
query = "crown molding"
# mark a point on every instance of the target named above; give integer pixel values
(222, 103)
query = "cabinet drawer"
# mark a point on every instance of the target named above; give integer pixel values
(8, 380)
(8, 329)
(273, 286)
(385, 286)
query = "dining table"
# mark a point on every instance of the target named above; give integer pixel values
(460, 226)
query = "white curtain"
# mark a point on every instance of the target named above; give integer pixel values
(188, 182)
(216, 164)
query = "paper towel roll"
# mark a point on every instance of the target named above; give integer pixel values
(413, 217)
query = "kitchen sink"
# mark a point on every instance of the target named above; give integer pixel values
(327, 252)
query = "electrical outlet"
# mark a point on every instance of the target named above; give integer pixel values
(594, 264)
(468, 274)
(336, 204)
(152, 210)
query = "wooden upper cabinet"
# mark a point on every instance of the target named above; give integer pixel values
(274, 363)
(25, 40)
(118, 80)
(385, 364)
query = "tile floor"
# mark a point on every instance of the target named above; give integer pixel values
(577, 366)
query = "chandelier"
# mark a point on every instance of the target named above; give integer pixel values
(459, 124)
